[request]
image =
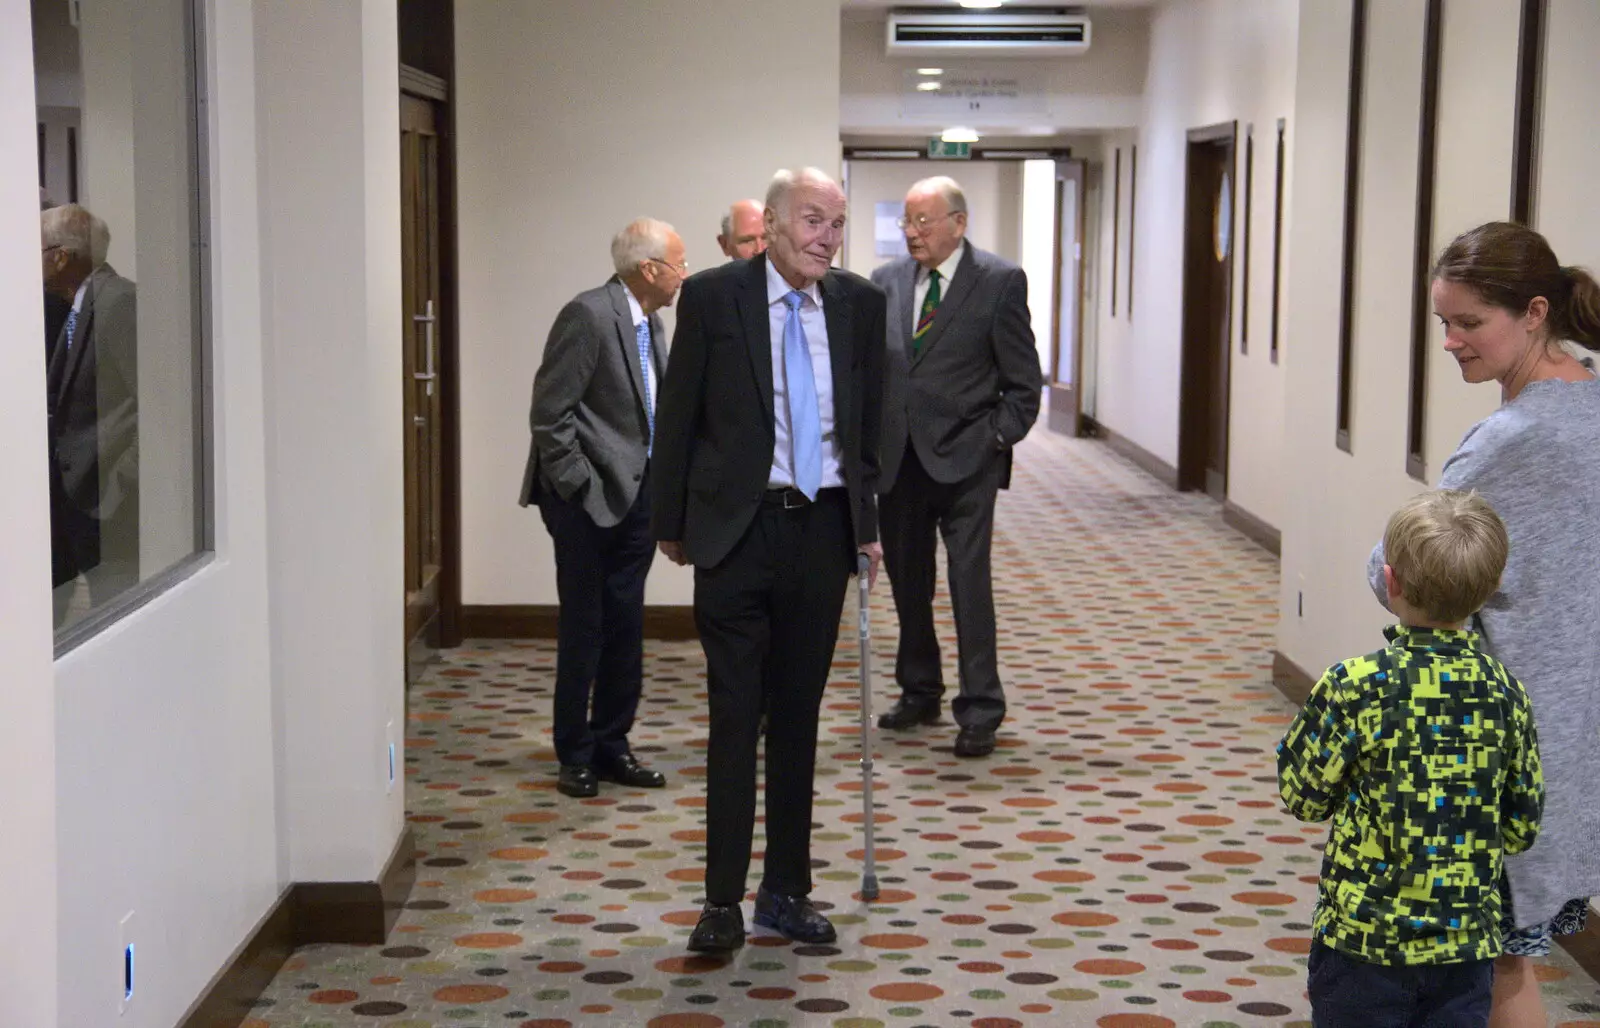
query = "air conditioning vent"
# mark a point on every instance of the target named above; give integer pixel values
(1039, 32)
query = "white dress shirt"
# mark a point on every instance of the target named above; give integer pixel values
(816, 329)
(647, 368)
(947, 271)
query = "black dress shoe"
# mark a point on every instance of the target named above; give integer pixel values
(626, 770)
(577, 781)
(974, 742)
(721, 928)
(909, 711)
(794, 916)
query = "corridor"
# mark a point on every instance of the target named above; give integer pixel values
(1122, 860)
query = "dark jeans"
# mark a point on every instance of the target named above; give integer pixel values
(1351, 993)
(600, 574)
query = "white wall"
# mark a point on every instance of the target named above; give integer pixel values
(1096, 90)
(993, 190)
(30, 969)
(164, 751)
(191, 760)
(1337, 503)
(668, 121)
(1211, 61)
(330, 199)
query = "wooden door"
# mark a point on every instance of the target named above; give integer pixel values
(421, 384)
(1207, 311)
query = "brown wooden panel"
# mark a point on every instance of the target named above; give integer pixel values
(1530, 103)
(1277, 237)
(1116, 225)
(1421, 307)
(1244, 239)
(541, 620)
(1352, 204)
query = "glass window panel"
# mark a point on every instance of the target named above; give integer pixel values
(120, 239)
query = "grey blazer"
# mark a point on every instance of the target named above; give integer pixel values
(974, 387)
(94, 400)
(590, 430)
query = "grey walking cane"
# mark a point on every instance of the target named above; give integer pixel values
(869, 871)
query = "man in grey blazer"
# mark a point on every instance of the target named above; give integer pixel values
(593, 422)
(962, 387)
(93, 383)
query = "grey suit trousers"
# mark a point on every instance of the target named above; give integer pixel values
(963, 513)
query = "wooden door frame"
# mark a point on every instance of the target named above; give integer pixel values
(1192, 407)
(436, 89)
(1066, 403)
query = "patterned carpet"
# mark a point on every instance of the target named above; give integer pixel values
(1120, 861)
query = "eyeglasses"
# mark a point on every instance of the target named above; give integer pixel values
(681, 269)
(923, 221)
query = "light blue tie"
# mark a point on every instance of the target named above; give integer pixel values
(805, 425)
(72, 326)
(642, 336)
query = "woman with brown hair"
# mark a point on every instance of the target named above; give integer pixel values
(1510, 311)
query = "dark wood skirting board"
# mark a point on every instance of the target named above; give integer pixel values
(1585, 946)
(227, 999)
(358, 913)
(1253, 528)
(540, 620)
(1291, 679)
(1160, 469)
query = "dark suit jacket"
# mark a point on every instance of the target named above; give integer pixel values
(590, 429)
(973, 390)
(715, 431)
(94, 410)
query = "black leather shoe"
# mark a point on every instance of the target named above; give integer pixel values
(793, 916)
(721, 928)
(577, 781)
(626, 770)
(975, 742)
(908, 712)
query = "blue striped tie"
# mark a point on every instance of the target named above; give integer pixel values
(805, 424)
(641, 335)
(72, 326)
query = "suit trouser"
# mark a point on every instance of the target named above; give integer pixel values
(600, 575)
(963, 513)
(768, 617)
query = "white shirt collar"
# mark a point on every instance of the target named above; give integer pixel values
(77, 299)
(947, 270)
(777, 288)
(634, 305)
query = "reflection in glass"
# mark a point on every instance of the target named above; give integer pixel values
(119, 233)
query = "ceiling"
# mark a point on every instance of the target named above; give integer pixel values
(883, 5)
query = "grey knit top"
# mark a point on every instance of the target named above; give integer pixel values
(1537, 461)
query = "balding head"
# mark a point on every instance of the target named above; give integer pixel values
(742, 233)
(804, 221)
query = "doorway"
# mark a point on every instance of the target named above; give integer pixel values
(1207, 310)
(1064, 376)
(422, 382)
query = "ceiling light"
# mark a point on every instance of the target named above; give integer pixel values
(959, 135)
(930, 71)
(981, 3)
(928, 87)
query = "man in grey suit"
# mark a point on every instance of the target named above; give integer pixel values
(593, 423)
(962, 387)
(93, 382)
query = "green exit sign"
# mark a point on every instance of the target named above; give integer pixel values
(938, 149)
